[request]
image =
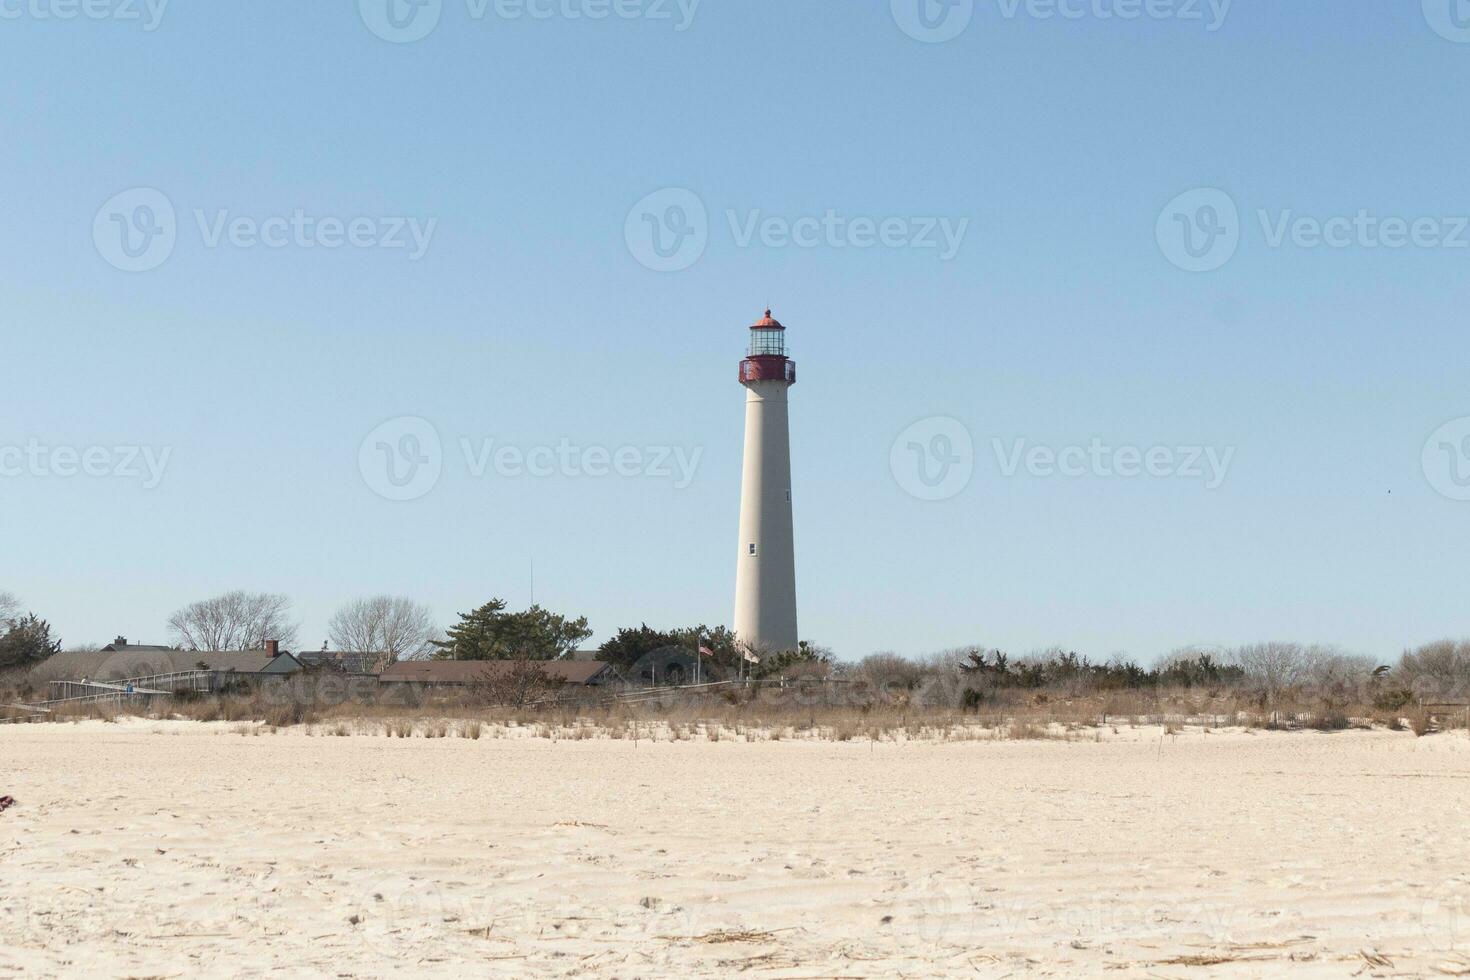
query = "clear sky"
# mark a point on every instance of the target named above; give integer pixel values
(1054, 144)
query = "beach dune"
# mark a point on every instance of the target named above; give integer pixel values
(147, 848)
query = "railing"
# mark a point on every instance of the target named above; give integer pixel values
(767, 369)
(153, 685)
(84, 699)
(182, 680)
(82, 689)
(22, 707)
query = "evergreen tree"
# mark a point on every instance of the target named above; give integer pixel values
(491, 633)
(27, 641)
(632, 645)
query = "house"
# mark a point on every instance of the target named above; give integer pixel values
(131, 662)
(466, 673)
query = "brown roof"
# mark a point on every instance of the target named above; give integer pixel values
(348, 661)
(476, 671)
(107, 665)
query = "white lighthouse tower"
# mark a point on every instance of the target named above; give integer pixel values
(765, 578)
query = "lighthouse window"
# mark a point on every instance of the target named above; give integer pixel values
(767, 342)
(752, 549)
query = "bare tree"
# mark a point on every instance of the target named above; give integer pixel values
(514, 683)
(399, 627)
(1275, 667)
(9, 606)
(234, 621)
(1437, 671)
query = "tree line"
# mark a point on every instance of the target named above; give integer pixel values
(403, 629)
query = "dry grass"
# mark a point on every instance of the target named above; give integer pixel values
(840, 713)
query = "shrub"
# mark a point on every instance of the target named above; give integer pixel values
(1392, 699)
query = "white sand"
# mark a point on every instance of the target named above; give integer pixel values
(173, 849)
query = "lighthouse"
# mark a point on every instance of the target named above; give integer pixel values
(765, 577)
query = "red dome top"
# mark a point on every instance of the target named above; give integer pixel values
(767, 322)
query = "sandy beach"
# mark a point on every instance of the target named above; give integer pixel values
(165, 849)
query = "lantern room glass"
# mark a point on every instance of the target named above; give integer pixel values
(766, 342)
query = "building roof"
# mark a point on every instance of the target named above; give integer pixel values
(347, 661)
(133, 648)
(110, 665)
(476, 671)
(767, 322)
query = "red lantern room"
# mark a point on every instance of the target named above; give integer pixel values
(767, 360)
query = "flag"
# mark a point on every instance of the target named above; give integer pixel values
(706, 652)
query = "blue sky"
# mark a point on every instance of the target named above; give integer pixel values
(520, 146)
